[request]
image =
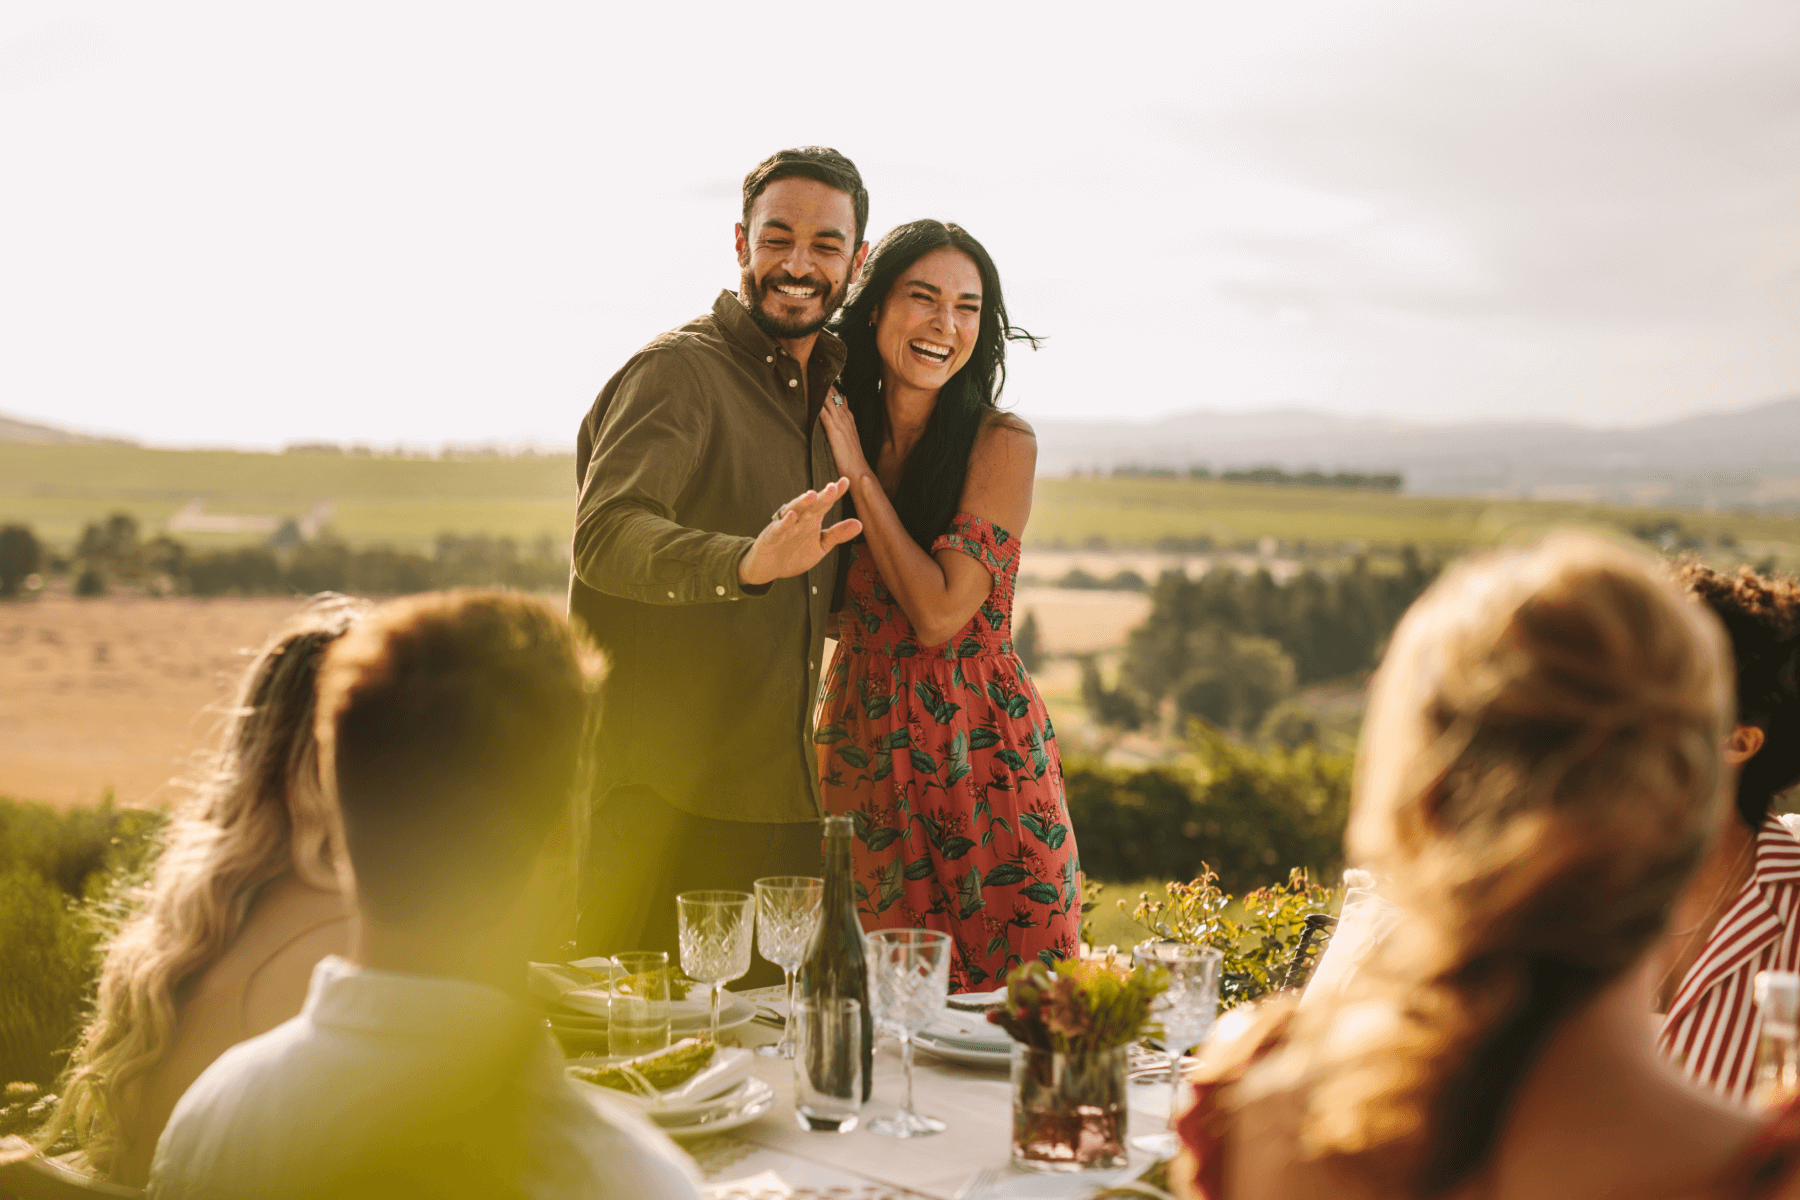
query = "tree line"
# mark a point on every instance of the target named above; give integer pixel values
(113, 555)
(1228, 647)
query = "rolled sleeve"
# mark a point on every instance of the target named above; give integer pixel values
(645, 450)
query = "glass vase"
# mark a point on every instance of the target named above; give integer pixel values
(1069, 1109)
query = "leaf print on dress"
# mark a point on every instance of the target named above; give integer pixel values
(963, 827)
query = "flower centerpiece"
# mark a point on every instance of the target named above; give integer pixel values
(1072, 1027)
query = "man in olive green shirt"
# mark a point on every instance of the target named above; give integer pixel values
(703, 566)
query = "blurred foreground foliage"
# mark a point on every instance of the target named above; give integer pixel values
(64, 880)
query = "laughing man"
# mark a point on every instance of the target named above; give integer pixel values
(711, 610)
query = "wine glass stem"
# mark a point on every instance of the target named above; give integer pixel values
(1174, 1082)
(716, 989)
(787, 1030)
(906, 1109)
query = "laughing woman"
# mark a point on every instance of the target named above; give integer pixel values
(933, 739)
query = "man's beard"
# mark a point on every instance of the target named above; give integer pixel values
(755, 294)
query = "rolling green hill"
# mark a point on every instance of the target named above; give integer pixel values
(406, 502)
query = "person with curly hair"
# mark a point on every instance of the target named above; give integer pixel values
(1741, 913)
(244, 900)
(1543, 769)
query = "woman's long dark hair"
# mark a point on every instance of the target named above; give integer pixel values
(932, 483)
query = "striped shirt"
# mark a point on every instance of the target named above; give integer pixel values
(1712, 1025)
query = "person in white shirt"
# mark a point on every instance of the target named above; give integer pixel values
(450, 726)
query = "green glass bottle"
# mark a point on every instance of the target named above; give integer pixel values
(836, 964)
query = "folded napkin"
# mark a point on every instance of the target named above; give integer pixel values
(729, 1067)
(567, 985)
(968, 1031)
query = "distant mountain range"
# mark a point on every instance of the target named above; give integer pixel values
(30, 434)
(1747, 459)
(1739, 459)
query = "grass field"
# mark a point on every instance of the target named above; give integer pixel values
(406, 502)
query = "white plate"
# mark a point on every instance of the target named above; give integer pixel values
(1033, 1185)
(968, 1058)
(756, 1099)
(684, 1020)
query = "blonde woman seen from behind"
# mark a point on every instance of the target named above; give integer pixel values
(1540, 774)
(244, 902)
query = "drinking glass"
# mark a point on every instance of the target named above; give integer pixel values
(909, 980)
(787, 916)
(827, 1062)
(1186, 1010)
(715, 940)
(637, 1016)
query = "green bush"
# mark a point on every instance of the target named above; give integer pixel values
(63, 876)
(1249, 812)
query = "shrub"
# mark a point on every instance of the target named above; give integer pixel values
(1259, 947)
(20, 554)
(63, 880)
(1240, 809)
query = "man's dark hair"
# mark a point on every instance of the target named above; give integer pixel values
(452, 725)
(1761, 613)
(810, 162)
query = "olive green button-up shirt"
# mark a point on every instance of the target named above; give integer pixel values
(685, 455)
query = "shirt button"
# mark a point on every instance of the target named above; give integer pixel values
(793, 383)
(815, 591)
(671, 595)
(721, 589)
(771, 358)
(809, 664)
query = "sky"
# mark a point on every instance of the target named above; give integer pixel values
(253, 224)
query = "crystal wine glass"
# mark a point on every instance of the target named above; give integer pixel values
(909, 980)
(787, 916)
(1186, 1011)
(715, 940)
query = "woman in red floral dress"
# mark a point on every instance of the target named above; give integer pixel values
(933, 739)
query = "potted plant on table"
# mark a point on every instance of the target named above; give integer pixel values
(1072, 1028)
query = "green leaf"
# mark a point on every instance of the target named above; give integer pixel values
(968, 892)
(995, 944)
(906, 650)
(889, 887)
(923, 761)
(983, 806)
(957, 679)
(859, 821)
(1043, 893)
(1018, 706)
(1010, 757)
(958, 757)
(919, 868)
(1050, 956)
(987, 837)
(881, 839)
(884, 766)
(968, 648)
(1055, 838)
(870, 621)
(862, 891)
(981, 737)
(1035, 824)
(825, 735)
(1006, 874)
(995, 618)
(1000, 822)
(899, 739)
(996, 693)
(856, 756)
(954, 848)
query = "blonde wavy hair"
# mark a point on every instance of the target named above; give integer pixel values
(1541, 772)
(258, 811)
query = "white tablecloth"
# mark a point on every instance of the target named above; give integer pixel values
(773, 1157)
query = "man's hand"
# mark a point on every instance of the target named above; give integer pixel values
(794, 541)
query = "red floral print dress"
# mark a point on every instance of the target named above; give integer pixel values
(944, 759)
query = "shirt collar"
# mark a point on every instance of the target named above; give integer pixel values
(734, 319)
(1777, 854)
(348, 997)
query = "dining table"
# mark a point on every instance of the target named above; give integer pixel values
(772, 1157)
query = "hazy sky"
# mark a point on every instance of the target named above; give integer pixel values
(248, 224)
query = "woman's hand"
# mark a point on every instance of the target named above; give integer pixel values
(846, 443)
